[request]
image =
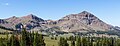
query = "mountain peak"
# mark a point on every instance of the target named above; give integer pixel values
(82, 15)
(32, 17)
(14, 17)
(84, 20)
(85, 12)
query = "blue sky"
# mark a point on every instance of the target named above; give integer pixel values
(106, 10)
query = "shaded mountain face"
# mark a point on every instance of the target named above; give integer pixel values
(83, 21)
(3, 21)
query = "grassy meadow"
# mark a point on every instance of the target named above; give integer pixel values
(48, 40)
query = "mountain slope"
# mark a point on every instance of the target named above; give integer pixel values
(31, 21)
(83, 21)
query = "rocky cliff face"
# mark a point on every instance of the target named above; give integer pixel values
(31, 21)
(83, 21)
(5, 23)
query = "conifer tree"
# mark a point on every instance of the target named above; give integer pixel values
(78, 41)
(63, 42)
(72, 41)
(12, 39)
(23, 37)
(1, 42)
(7, 39)
(41, 40)
(38, 40)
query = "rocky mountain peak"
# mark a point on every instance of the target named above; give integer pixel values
(83, 20)
(85, 12)
(12, 17)
(83, 15)
(32, 17)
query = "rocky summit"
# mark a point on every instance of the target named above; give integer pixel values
(83, 21)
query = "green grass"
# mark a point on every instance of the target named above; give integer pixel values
(4, 36)
(51, 42)
(3, 30)
(66, 35)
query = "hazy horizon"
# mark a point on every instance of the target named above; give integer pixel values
(106, 10)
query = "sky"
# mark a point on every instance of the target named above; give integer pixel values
(106, 10)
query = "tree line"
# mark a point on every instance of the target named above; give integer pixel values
(89, 41)
(23, 39)
(35, 39)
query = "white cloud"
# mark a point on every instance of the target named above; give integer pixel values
(6, 4)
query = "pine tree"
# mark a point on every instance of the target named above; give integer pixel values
(62, 42)
(35, 40)
(65, 43)
(38, 40)
(23, 37)
(78, 41)
(7, 39)
(41, 40)
(31, 38)
(14, 41)
(1, 42)
(72, 41)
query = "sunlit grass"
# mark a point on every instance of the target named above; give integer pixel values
(48, 40)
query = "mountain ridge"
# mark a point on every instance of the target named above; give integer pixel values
(84, 21)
